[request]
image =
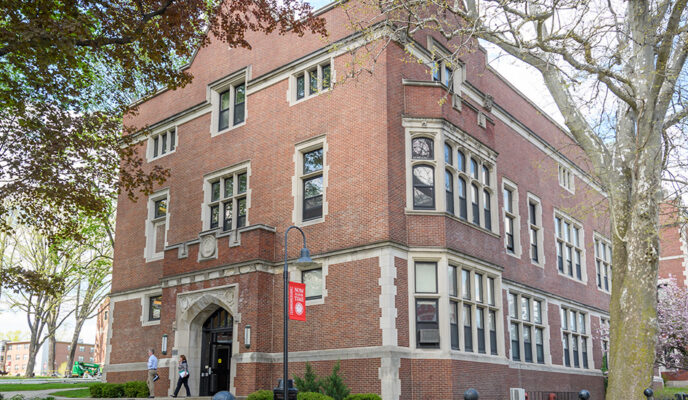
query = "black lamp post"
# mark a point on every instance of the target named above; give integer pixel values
(304, 260)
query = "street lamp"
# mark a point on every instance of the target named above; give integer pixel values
(303, 261)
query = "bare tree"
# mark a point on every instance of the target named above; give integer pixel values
(616, 73)
(43, 259)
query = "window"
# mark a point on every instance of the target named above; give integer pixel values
(526, 328)
(228, 102)
(575, 338)
(17, 357)
(313, 278)
(26, 356)
(156, 228)
(312, 184)
(427, 322)
(161, 144)
(603, 259)
(105, 315)
(81, 358)
(90, 359)
(226, 206)
(232, 106)
(479, 181)
(90, 350)
(154, 304)
(566, 178)
(82, 348)
(604, 338)
(448, 179)
(569, 236)
(535, 232)
(512, 220)
(310, 200)
(26, 346)
(312, 81)
(472, 301)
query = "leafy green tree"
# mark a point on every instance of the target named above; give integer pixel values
(310, 381)
(334, 386)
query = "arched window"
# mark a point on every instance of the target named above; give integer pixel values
(486, 209)
(475, 194)
(461, 159)
(423, 187)
(474, 169)
(447, 154)
(449, 189)
(486, 176)
(422, 149)
(463, 202)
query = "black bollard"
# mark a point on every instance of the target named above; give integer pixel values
(471, 394)
(583, 395)
(648, 393)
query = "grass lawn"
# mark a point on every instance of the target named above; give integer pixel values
(75, 393)
(16, 387)
(670, 391)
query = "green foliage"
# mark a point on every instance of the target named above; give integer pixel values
(334, 386)
(96, 390)
(113, 390)
(312, 396)
(260, 395)
(136, 389)
(17, 397)
(363, 396)
(310, 381)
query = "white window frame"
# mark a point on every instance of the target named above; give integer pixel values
(145, 309)
(305, 73)
(530, 322)
(566, 178)
(441, 134)
(170, 145)
(514, 214)
(214, 90)
(152, 223)
(576, 334)
(540, 234)
(298, 179)
(444, 300)
(598, 239)
(219, 176)
(581, 247)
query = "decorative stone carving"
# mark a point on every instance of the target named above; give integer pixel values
(183, 251)
(489, 102)
(207, 248)
(222, 296)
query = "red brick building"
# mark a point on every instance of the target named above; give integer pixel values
(84, 352)
(102, 330)
(673, 254)
(460, 243)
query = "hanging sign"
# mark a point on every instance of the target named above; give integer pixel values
(297, 301)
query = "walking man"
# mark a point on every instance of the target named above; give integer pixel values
(152, 372)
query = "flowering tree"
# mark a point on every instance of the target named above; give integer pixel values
(672, 317)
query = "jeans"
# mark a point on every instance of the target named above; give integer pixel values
(185, 382)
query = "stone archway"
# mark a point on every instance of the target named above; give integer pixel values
(193, 308)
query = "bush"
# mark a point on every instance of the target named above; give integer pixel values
(334, 385)
(260, 395)
(136, 389)
(310, 381)
(96, 390)
(113, 390)
(363, 396)
(312, 396)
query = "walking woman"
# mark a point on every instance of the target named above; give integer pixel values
(183, 368)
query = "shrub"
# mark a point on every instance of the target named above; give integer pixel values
(260, 395)
(310, 381)
(334, 385)
(312, 396)
(113, 390)
(96, 390)
(17, 397)
(363, 396)
(136, 389)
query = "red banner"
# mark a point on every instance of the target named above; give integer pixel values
(297, 301)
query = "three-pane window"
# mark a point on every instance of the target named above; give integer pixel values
(575, 337)
(163, 143)
(526, 328)
(227, 205)
(313, 81)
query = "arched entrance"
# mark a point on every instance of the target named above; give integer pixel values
(216, 352)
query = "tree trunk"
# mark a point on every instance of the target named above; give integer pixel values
(635, 219)
(33, 350)
(52, 368)
(75, 341)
